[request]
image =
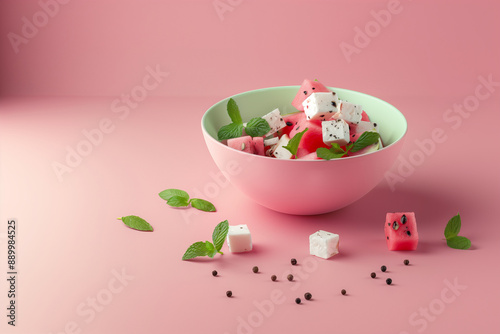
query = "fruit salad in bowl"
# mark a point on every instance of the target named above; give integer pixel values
(306, 149)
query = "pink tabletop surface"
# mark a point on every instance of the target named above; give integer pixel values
(79, 270)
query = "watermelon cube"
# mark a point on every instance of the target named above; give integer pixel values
(291, 120)
(244, 143)
(258, 145)
(364, 116)
(312, 138)
(401, 231)
(307, 88)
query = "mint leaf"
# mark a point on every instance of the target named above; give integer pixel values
(197, 249)
(211, 251)
(229, 131)
(136, 223)
(234, 112)
(293, 144)
(327, 154)
(219, 234)
(366, 139)
(168, 193)
(458, 242)
(257, 127)
(202, 205)
(178, 201)
(453, 227)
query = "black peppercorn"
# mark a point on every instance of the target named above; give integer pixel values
(297, 300)
(229, 293)
(373, 275)
(406, 262)
(255, 269)
(343, 292)
(388, 281)
(273, 278)
(293, 261)
(307, 296)
(214, 273)
(383, 268)
(289, 277)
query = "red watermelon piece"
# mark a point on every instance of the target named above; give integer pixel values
(258, 144)
(307, 88)
(312, 138)
(244, 143)
(401, 231)
(364, 116)
(291, 121)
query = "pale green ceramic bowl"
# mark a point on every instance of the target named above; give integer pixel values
(303, 187)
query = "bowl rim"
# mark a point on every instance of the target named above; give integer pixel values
(207, 134)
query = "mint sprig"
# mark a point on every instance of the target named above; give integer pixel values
(256, 127)
(207, 248)
(232, 130)
(234, 112)
(366, 139)
(179, 198)
(451, 231)
(136, 223)
(293, 144)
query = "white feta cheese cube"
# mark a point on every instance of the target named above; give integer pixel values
(239, 239)
(364, 126)
(271, 141)
(324, 244)
(275, 121)
(321, 106)
(336, 131)
(279, 151)
(350, 112)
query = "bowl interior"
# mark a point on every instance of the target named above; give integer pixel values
(392, 124)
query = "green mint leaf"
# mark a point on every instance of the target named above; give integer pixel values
(234, 112)
(211, 251)
(366, 139)
(293, 144)
(178, 201)
(328, 154)
(219, 234)
(229, 131)
(458, 242)
(168, 193)
(136, 223)
(197, 249)
(453, 227)
(337, 149)
(257, 127)
(202, 205)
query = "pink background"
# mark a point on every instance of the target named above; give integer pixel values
(64, 82)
